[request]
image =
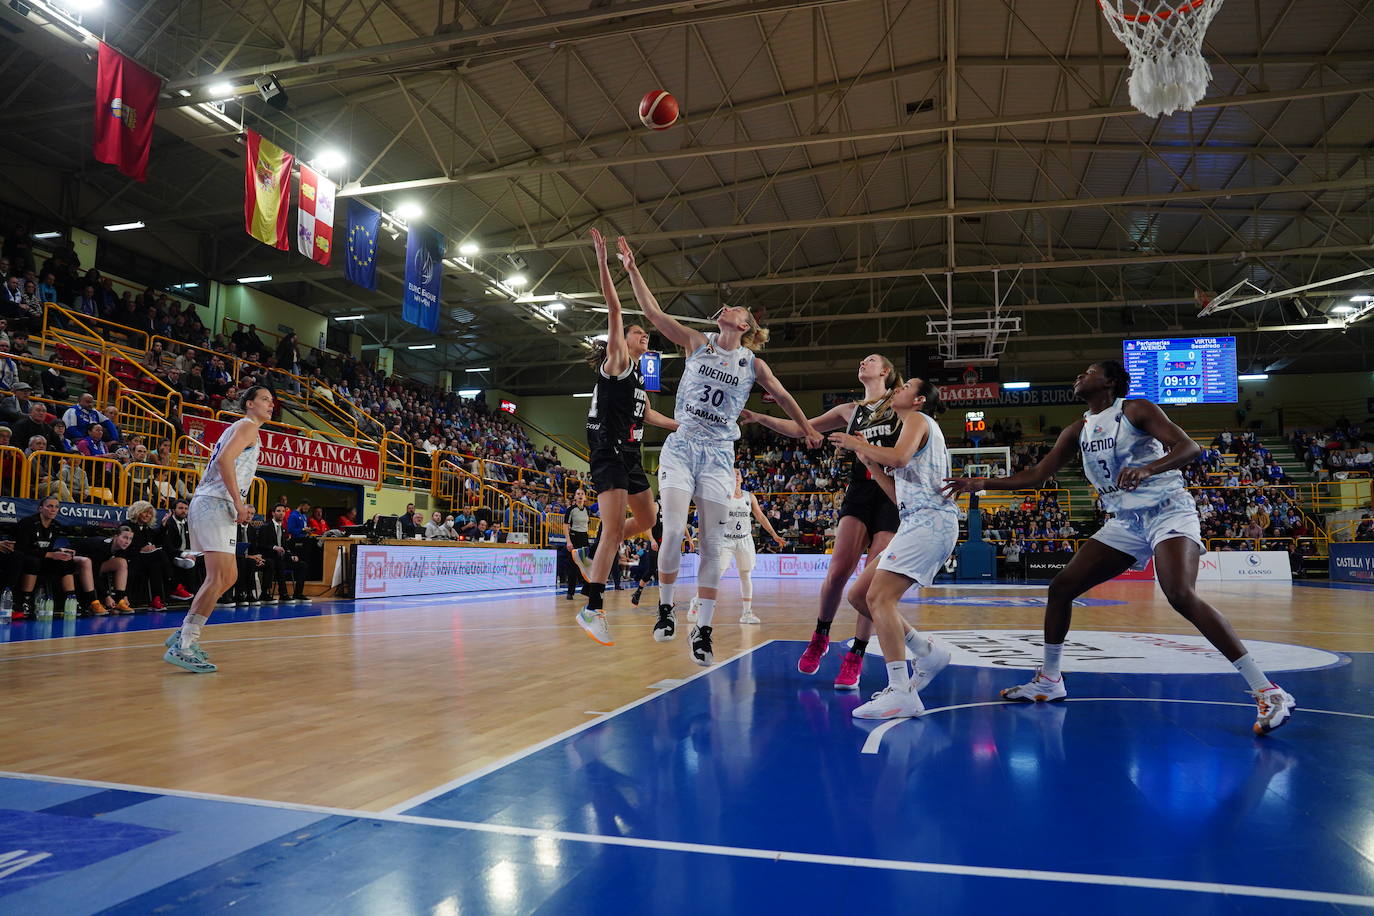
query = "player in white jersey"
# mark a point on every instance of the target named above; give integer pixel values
(1131, 453)
(912, 473)
(743, 509)
(698, 459)
(218, 507)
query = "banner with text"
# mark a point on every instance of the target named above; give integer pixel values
(298, 455)
(1352, 562)
(424, 276)
(71, 515)
(388, 571)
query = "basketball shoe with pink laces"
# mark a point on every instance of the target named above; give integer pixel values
(810, 662)
(851, 666)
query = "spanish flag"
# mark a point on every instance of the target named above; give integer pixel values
(266, 191)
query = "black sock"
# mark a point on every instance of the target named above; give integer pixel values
(823, 626)
(860, 646)
(593, 591)
(120, 594)
(86, 598)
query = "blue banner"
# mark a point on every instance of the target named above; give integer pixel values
(424, 274)
(651, 367)
(73, 515)
(1352, 562)
(360, 263)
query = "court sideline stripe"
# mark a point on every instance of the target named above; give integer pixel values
(577, 729)
(770, 855)
(875, 737)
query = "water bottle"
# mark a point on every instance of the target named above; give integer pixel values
(44, 606)
(70, 608)
(6, 606)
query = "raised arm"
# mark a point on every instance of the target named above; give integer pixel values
(763, 520)
(836, 417)
(667, 325)
(1148, 418)
(617, 354)
(1065, 447)
(909, 442)
(770, 384)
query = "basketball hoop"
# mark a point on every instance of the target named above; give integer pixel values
(1164, 39)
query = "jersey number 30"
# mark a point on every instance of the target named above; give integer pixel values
(713, 394)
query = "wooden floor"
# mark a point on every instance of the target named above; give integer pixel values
(364, 710)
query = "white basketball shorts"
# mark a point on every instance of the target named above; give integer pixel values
(923, 542)
(213, 525)
(704, 468)
(741, 550)
(1138, 532)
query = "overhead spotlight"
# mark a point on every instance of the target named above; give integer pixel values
(47, 235)
(421, 346)
(265, 278)
(220, 90)
(1253, 377)
(391, 229)
(123, 227)
(555, 306)
(330, 159)
(409, 210)
(1016, 386)
(270, 88)
(468, 249)
(1342, 309)
(1362, 298)
(349, 317)
(515, 281)
(481, 369)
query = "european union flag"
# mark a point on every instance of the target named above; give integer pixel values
(360, 266)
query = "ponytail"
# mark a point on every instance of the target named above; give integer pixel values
(882, 404)
(933, 406)
(596, 356)
(756, 338)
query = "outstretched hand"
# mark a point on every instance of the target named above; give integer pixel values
(957, 486)
(627, 257)
(599, 243)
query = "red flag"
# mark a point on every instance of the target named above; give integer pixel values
(267, 191)
(315, 222)
(125, 104)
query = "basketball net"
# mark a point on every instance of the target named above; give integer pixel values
(1164, 39)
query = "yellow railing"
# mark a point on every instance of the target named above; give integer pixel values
(73, 478)
(14, 471)
(94, 329)
(460, 489)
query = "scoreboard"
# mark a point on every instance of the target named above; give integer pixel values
(1188, 370)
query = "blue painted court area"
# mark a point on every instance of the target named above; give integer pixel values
(750, 789)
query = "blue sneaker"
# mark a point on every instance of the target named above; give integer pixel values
(174, 642)
(188, 661)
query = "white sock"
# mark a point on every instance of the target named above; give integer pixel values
(1051, 666)
(665, 592)
(897, 676)
(748, 607)
(706, 609)
(190, 629)
(1250, 670)
(918, 644)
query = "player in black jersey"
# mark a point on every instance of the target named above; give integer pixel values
(868, 518)
(615, 430)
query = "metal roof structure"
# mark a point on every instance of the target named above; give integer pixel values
(841, 167)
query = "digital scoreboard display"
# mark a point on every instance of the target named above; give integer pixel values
(1188, 370)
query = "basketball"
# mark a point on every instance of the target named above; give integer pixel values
(658, 110)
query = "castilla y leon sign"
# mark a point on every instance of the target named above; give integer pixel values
(298, 455)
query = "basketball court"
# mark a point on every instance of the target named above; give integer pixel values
(482, 756)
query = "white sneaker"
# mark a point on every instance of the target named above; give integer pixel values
(892, 703)
(749, 617)
(1040, 690)
(692, 610)
(1275, 707)
(932, 663)
(593, 623)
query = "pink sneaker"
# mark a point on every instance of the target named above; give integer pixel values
(810, 662)
(850, 669)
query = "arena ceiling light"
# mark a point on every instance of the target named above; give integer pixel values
(1363, 298)
(122, 227)
(219, 91)
(583, 394)
(265, 278)
(47, 235)
(421, 346)
(555, 306)
(468, 249)
(409, 210)
(1342, 309)
(515, 281)
(1016, 386)
(349, 317)
(1253, 377)
(483, 369)
(469, 392)
(330, 159)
